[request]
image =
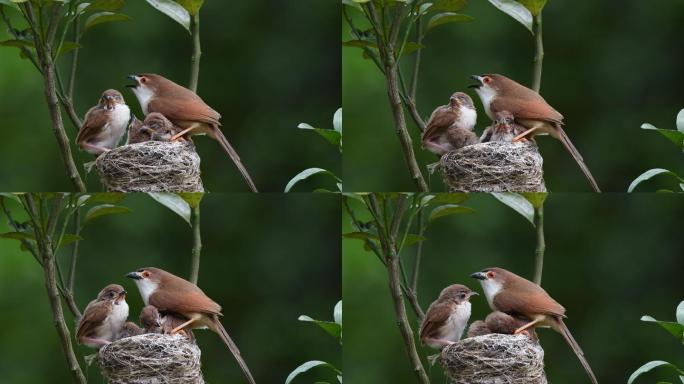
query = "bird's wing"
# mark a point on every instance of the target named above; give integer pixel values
(95, 119)
(95, 313)
(528, 300)
(442, 118)
(181, 296)
(530, 108)
(435, 317)
(185, 108)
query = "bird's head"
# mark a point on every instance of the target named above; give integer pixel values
(147, 280)
(460, 99)
(110, 98)
(113, 292)
(457, 293)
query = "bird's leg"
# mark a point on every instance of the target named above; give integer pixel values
(526, 326)
(436, 148)
(94, 341)
(97, 148)
(178, 328)
(440, 342)
(522, 135)
(181, 133)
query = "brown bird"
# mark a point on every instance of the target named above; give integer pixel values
(478, 328)
(451, 126)
(447, 317)
(499, 93)
(519, 297)
(104, 124)
(186, 110)
(103, 318)
(503, 129)
(129, 329)
(499, 322)
(172, 294)
(135, 132)
(150, 319)
(159, 128)
(171, 321)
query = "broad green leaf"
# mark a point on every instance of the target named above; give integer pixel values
(675, 329)
(352, 4)
(104, 17)
(448, 209)
(680, 121)
(10, 4)
(448, 5)
(518, 203)
(330, 135)
(337, 120)
(313, 363)
(334, 329)
(676, 137)
(69, 238)
(680, 313)
(535, 198)
(192, 6)
(173, 202)
(16, 43)
(68, 46)
(650, 365)
(649, 174)
(306, 174)
(360, 236)
(17, 236)
(411, 47)
(11, 196)
(515, 10)
(412, 238)
(337, 312)
(192, 198)
(104, 209)
(447, 17)
(534, 6)
(173, 10)
(103, 5)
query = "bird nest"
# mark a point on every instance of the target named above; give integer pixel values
(151, 166)
(495, 359)
(151, 359)
(494, 167)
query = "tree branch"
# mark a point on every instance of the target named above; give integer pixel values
(196, 244)
(196, 52)
(539, 53)
(541, 244)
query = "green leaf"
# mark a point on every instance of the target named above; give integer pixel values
(68, 46)
(337, 313)
(69, 238)
(360, 235)
(515, 10)
(518, 203)
(104, 17)
(192, 198)
(173, 10)
(313, 363)
(103, 5)
(103, 198)
(447, 17)
(448, 209)
(448, 5)
(17, 236)
(102, 210)
(332, 136)
(359, 44)
(334, 329)
(650, 365)
(192, 6)
(680, 313)
(649, 174)
(448, 198)
(676, 137)
(306, 174)
(411, 47)
(173, 202)
(16, 43)
(680, 121)
(352, 4)
(412, 238)
(534, 6)
(10, 4)
(535, 198)
(675, 329)
(337, 120)
(11, 196)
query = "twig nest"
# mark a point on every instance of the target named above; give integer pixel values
(151, 359)
(495, 359)
(494, 167)
(151, 166)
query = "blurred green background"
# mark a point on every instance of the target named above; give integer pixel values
(262, 255)
(609, 67)
(266, 66)
(609, 260)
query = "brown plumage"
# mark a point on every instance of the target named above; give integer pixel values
(172, 294)
(450, 126)
(150, 319)
(447, 317)
(104, 124)
(103, 317)
(186, 110)
(518, 297)
(478, 328)
(135, 132)
(129, 329)
(499, 93)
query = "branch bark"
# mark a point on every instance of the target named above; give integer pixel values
(539, 53)
(196, 53)
(541, 244)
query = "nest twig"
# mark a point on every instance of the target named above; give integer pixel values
(494, 167)
(151, 166)
(151, 359)
(495, 359)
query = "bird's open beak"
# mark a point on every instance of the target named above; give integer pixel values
(479, 276)
(476, 78)
(135, 79)
(134, 275)
(473, 293)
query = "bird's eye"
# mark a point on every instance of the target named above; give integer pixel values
(487, 79)
(490, 274)
(146, 274)
(143, 79)
(462, 295)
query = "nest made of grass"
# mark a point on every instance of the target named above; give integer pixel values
(494, 167)
(151, 359)
(151, 166)
(495, 359)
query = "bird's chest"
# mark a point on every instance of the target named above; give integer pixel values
(113, 323)
(487, 96)
(467, 118)
(116, 126)
(456, 322)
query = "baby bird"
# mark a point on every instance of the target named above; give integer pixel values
(150, 319)
(447, 317)
(105, 124)
(451, 126)
(103, 318)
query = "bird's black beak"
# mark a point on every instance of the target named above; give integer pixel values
(134, 275)
(479, 276)
(134, 78)
(476, 78)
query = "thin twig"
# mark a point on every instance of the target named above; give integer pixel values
(541, 244)
(74, 61)
(196, 244)
(539, 53)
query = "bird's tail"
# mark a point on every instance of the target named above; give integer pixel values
(563, 330)
(234, 156)
(563, 137)
(233, 349)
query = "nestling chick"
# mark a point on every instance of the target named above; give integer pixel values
(451, 126)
